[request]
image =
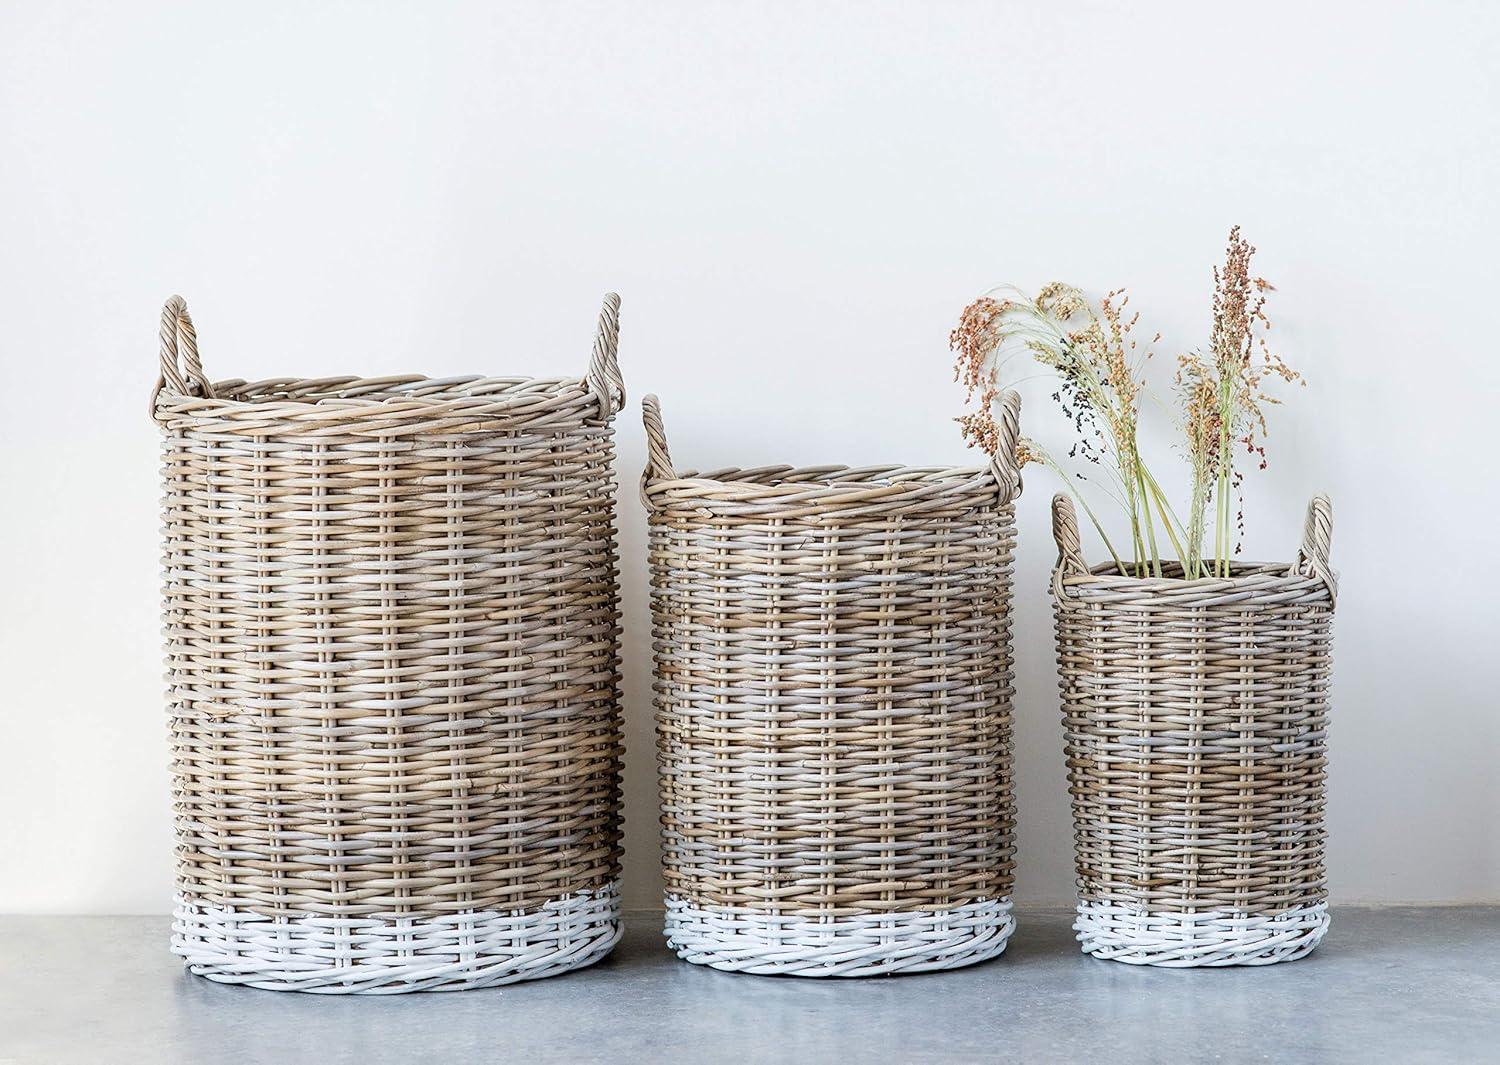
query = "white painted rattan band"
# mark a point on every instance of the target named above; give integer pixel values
(337, 955)
(866, 945)
(1181, 940)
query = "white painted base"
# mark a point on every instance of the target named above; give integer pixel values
(333, 955)
(1213, 938)
(866, 945)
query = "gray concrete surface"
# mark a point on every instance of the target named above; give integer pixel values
(1388, 985)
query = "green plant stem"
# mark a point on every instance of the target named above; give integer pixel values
(1218, 527)
(1051, 463)
(1100, 530)
(1167, 519)
(1150, 524)
(1198, 518)
(1226, 469)
(1221, 535)
(1133, 501)
(1194, 562)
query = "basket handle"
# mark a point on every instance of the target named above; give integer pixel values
(1065, 531)
(1317, 542)
(658, 456)
(181, 369)
(603, 378)
(1004, 465)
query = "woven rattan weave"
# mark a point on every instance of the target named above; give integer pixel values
(833, 696)
(392, 627)
(1195, 714)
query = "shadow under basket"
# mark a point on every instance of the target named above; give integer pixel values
(1195, 717)
(392, 623)
(833, 712)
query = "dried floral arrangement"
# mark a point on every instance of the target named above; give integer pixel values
(1100, 367)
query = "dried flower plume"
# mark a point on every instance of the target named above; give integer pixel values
(1224, 399)
(1099, 365)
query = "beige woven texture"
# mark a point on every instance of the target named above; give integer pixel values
(392, 635)
(833, 684)
(1195, 715)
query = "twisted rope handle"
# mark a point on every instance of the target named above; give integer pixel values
(1317, 542)
(604, 378)
(179, 341)
(658, 457)
(1065, 531)
(1004, 466)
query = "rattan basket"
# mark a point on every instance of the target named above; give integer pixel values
(833, 697)
(1195, 715)
(392, 643)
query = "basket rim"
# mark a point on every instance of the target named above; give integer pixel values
(1074, 577)
(184, 392)
(1246, 576)
(822, 484)
(393, 397)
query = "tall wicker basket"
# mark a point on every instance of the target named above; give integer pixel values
(833, 697)
(1195, 715)
(392, 623)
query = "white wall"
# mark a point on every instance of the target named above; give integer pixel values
(794, 201)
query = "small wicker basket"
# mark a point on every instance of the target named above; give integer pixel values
(833, 696)
(392, 629)
(1195, 714)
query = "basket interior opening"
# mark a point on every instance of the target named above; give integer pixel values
(1173, 570)
(374, 390)
(836, 476)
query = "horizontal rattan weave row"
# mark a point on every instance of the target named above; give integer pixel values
(833, 695)
(392, 631)
(1195, 715)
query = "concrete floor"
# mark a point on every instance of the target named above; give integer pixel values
(1387, 985)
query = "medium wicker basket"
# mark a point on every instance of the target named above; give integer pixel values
(392, 642)
(1195, 714)
(833, 696)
